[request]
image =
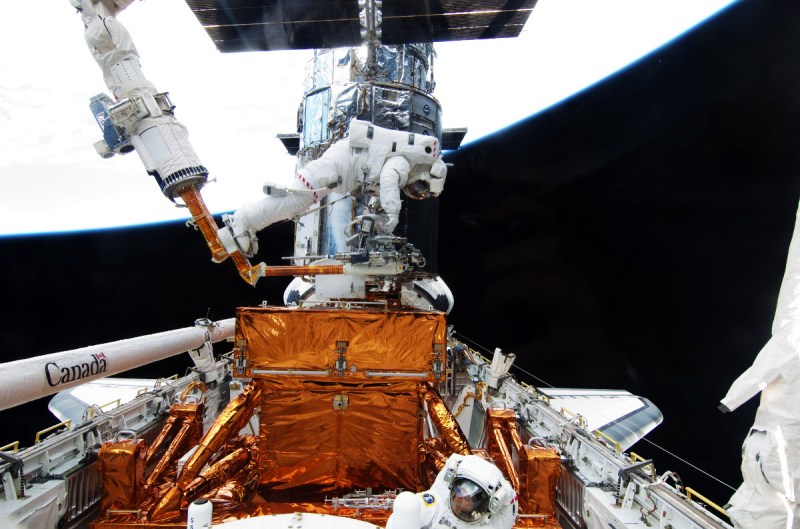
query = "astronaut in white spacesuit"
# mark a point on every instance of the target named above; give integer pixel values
(468, 492)
(377, 161)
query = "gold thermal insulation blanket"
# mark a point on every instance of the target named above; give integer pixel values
(533, 471)
(310, 449)
(444, 422)
(540, 469)
(122, 465)
(276, 338)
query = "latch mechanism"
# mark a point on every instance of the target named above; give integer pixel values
(341, 363)
(241, 358)
(438, 364)
(340, 402)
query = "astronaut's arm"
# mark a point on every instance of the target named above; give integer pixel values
(393, 176)
(310, 185)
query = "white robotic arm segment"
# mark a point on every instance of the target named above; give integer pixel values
(163, 145)
(393, 176)
(113, 49)
(160, 140)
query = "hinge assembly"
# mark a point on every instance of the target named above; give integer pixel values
(241, 358)
(438, 364)
(340, 402)
(341, 363)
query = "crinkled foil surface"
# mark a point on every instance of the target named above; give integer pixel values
(283, 338)
(311, 450)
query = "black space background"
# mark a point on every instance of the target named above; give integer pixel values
(632, 237)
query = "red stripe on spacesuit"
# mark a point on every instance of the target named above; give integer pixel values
(308, 185)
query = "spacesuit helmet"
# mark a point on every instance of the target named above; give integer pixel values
(426, 180)
(468, 500)
(418, 190)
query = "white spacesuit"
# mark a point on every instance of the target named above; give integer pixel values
(468, 492)
(770, 459)
(375, 160)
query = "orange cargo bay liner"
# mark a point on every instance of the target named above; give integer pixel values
(341, 397)
(276, 338)
(352, 419)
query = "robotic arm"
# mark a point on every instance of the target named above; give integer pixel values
(140, 114)
(142, 119)
(373, 160)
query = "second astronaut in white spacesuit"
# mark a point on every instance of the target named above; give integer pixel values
(377, 161)
(469, 492)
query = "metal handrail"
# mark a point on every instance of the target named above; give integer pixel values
(690, 492)
(67, 423)
(196, 385)
(634, 457)
(14, 445)
(136, 512)
(161, 381)
(118, 402)
(573, 415)
(598, 434)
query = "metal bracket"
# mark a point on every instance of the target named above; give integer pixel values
(340, 402)
(341, 363)
(438, 364)
(241, 358)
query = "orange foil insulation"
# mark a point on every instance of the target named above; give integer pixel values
(241, 487)
(540, 469)
(499, 443)
(444, 422)
(307, 270)
(122, 466)
(185, 425)
(319, 439)
(216, 475)
(277, 338)
(203, 221)
(537, 471)
(227, 425)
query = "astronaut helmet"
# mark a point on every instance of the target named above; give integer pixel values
(426, 180)
(468, 500)
(477, 488)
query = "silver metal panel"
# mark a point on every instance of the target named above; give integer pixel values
(570, 497)
(315, 129)
(391, 108)
(83, 491)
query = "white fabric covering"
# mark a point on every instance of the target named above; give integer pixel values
(771, 462)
